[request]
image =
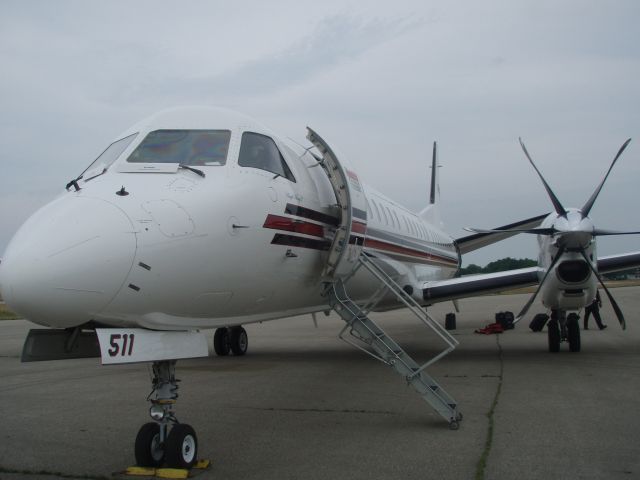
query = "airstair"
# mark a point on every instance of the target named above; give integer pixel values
(345, 259)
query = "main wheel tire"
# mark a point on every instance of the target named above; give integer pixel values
(181, 449)
(221, 342)
(553, 331)
(239, 341)
(148, 449)
(573, 332)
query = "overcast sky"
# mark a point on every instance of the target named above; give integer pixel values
(379, 80)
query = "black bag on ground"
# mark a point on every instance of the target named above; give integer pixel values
(538, 322)
(450, 321)
(505, 319)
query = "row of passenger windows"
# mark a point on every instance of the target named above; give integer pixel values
(388, 216)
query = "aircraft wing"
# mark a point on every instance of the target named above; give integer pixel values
(616, 263)
(478, 240)
(481, 284)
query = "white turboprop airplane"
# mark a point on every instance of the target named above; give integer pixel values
(568, 269)
(201, 218)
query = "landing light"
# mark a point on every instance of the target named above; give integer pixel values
(156, 412)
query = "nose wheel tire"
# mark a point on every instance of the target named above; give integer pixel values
(181, 448)
(148, 448)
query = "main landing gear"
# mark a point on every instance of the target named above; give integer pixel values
(563, 328)
(230, 340)
(157, 443)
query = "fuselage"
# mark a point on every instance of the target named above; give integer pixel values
(143, 239)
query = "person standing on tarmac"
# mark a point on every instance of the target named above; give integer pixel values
(594, 309)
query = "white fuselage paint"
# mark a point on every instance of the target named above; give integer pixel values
(179, 251)
(557, 293)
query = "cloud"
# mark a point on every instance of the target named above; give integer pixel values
(336, 40)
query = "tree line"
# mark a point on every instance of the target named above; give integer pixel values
(501, 265)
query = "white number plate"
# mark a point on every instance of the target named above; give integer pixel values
(132, 345)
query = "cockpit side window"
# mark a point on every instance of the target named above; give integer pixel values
(106, 158)
(260, 151)
(185, 147)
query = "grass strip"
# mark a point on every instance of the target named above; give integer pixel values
(6, 314)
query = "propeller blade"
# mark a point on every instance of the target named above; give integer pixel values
(614, 304)
(601, 232)
(535, 231)
(525, 309)
(560, 210)
(587, 206)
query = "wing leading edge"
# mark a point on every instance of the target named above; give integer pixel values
(475, 285)
(478, 240)
(482, 284)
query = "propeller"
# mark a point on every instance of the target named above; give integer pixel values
(572, 231)
(560, 210)
(614, 304)
(525, 309)
(536, 231)
(587, 206)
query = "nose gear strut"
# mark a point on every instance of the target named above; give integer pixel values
(165, 440)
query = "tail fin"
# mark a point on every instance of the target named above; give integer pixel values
(431, 213)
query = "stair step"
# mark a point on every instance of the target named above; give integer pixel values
(381, 346)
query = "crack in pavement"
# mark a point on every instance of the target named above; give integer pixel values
(482, 462)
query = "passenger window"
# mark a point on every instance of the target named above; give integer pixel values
(384, 214)
(259, 151)
(376, 209)
(395, 215)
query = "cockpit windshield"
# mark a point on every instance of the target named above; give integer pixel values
(106, 158)
(185, 147)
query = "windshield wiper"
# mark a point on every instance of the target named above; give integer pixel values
(74, 183)
(191, 169)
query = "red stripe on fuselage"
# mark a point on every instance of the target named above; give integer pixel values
(391, 248)
(358, 227)
(277, 222)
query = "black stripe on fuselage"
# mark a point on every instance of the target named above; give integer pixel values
(305, 212)
(294, 241)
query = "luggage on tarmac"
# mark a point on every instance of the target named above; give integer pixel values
(538, 322)
(505, 319)
(450, 321)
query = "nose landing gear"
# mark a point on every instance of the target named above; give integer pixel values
(157, 443)
(563, 328)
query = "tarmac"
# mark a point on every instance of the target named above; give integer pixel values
(304, 405)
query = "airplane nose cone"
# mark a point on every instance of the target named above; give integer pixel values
(68, 261)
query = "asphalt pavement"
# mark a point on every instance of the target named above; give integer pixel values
(304, 405)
